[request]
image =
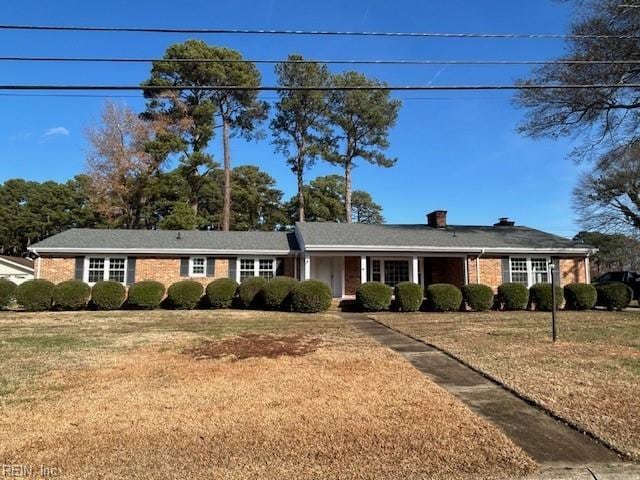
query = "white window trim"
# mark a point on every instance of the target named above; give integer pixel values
(204, 265)
(105, 274)
(393, 259)
(256, 265)
(530, 276)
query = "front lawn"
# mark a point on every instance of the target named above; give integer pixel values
(229, 394)
(590, 377)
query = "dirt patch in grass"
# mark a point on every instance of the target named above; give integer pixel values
(252, 345)
(590, 377)
(350, 409)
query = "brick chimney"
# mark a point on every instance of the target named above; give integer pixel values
(437, 219)
(504, 222)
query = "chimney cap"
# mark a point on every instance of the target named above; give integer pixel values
(504, 222)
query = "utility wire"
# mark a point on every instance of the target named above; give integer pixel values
(340, 62)
(235, 31)
(279, 88)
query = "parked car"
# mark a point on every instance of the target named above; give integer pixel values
(628, 278)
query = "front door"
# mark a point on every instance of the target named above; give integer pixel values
(329, 271)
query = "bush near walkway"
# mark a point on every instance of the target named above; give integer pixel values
(7, 292)
(71, 295)
(373, 297)
(478, 297)
(443, 297)
(35, 295)
(409, 296)
(311, 296)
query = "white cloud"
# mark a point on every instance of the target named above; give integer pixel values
(54, 132)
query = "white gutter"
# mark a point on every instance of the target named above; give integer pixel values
(427, 249)
(157, 251)
(478, 265)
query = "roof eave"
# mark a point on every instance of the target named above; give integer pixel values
(428, 249)
(158, 251)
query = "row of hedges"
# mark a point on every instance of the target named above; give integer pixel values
(444, 297)
(280, 293)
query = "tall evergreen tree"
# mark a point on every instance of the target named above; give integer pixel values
(300, 124)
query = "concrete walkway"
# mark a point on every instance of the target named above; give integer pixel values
(543, 438)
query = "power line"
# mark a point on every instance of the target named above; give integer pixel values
(235, 31)
(279, 88)
(339, 62)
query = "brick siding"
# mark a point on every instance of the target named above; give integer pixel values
(56, 269)
(444, 270)
(289, 268)
(573, 270)
(351, 275)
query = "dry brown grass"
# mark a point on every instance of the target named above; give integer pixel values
(591, 376)
(147, 409)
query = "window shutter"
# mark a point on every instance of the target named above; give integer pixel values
(131, 270)
(232, 267)
(211, 266)
(369, 277)
(79, 272)
(184, 267)
(506, 277)
(279, 267)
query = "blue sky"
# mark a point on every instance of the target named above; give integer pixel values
(457, 151)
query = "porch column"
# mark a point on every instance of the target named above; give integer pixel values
(363, 269)
(307, 267)
(415, 278)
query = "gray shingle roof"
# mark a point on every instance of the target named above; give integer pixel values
(154, 240)
(25, 262)
(423, 236)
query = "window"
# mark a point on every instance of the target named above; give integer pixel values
(266, 268)
(247, 268)
(96, 269)
(117, 270)
(375, 271)
(529, 270)
(257, 267)
(396, 271)
(105, 268)
(197, 266)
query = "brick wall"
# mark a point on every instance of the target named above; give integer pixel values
(490, 271)
(573, 270)
(289, 268)
(56, 269)
(351, 275)
(167, 270)
(444, 270)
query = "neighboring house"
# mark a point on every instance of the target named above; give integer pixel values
(340, 254)
(16, 269)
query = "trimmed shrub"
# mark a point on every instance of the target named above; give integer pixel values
(7, 292)
(35, 295)
(512, 296)
(147, 294)
(108, 295)
(311, 296)
(409, 296)
(443, 297)
(580, 296)
(541, 296)
(249, 292)
(373, 297)
(185, 294)
(614, 296)
(71, 295)
(276, 294)
(477, 297)
(222, 292)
